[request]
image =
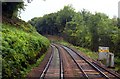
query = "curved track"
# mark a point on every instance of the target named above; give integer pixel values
(70, 68)
(53, 69)
(65, 63)
(89, 69)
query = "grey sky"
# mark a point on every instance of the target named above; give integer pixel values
(38, 8)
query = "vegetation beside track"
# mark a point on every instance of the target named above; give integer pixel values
(117, 64)
(22, 48)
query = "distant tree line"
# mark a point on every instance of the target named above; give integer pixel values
(53, 23)
(81, 28)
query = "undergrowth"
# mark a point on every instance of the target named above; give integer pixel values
(117, 64)
(20, 50)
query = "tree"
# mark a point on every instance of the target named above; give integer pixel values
(11, 9)
(53, 23)
(81, 28)
(64, 15)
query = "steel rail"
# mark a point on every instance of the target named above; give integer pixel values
(107, 70)
(47, 66)
(90, 64)
(61, 62)
(86, 76)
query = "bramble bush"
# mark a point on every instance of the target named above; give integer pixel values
(20, 49)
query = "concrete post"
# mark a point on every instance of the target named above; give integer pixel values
(110, 60)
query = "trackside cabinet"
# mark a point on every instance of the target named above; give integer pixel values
(104, 54)
(103, 51)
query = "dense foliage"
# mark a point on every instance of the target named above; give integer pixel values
(81, 28)
(11, 9)
(53, 23)
(20, 49)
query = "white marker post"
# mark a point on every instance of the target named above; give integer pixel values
(119, 9)
(110, 60)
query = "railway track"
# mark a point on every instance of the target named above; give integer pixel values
(53, 69)
(70, 69)
(90, 69)
(65, 63)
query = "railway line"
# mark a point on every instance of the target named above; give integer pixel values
(53, 69)
(65, 63)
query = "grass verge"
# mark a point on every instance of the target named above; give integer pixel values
(89, 53)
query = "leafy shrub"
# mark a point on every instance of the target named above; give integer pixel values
(20, 49)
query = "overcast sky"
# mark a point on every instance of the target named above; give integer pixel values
(38, 8)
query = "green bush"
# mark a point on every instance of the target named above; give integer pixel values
(20, 49)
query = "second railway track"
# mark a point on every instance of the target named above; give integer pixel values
(65, 63)
(90, 70)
